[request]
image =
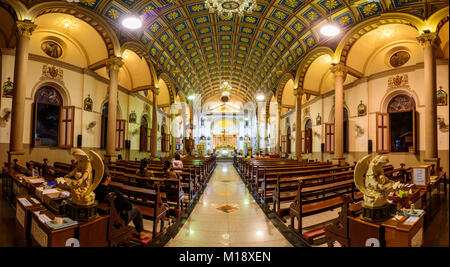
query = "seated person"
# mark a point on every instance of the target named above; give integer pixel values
(267, 156)
(119, 157)
(257, 156)
(143, 172)
(177, 163)
(167, 169)
(124, 207)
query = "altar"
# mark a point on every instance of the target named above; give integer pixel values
(225, 151)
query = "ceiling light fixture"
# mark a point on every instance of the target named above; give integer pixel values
(226, 8)
(260, 97)
(132, 22)
(329, 30)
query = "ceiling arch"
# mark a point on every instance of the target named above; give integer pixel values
(200, 50)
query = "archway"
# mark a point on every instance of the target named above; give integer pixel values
(308, 136)
(48, 107)
(143, 135)
(402, 122)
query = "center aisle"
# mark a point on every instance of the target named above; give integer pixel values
(227, 216)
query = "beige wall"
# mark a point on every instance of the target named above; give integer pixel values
(373, 91)
(75, 86)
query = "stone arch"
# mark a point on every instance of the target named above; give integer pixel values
(307, 61)
(15, 8)
(331, 114)
(106, 32)
(438, 19)
(368, 25)
(119, 109)
(170, 83)
(391, 94)
(281, 84)
(59, 86)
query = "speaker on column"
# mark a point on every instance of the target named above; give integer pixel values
(369, 146)
(322, 147)
(127, 144)
(79, 140)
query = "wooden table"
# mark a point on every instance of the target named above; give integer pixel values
(390, 233)
(44, 236)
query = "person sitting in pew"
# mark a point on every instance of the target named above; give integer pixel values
(126, 210)
(257, 156)
(177, 163)
(267, 156)
(167, 169)
(143, 172)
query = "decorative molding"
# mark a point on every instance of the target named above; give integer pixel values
(398, 81)
(52, 73)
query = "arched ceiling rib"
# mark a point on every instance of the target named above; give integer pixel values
(200, 50)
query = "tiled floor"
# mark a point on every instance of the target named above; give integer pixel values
(227, 215)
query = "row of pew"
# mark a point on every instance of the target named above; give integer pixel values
(302, 188)
(159, 198)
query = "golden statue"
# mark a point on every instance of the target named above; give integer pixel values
(80, 181)
(375, 185)
(371, 181)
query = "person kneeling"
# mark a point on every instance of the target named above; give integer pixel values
(126, 210)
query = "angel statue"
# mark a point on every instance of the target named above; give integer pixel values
(375, 185)
(79, 181)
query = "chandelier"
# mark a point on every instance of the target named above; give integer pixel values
(226, 92)
(226, 8)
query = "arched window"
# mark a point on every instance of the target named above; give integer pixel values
(53, 123)
(286, 139)
(120, 129)
(307, 137)
(165, 139)
(396, 129)
(143, 137)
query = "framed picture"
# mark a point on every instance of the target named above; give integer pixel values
(362, 109)
(8, 88)
(132, 117)
(88, 103)
(441, 96)
(421, 175)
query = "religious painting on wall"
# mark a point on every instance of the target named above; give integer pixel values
(88, 103)
(8, 88)
(52, 49)
(441, 97)
(399, 58)
(132, 118)
(362, 110)
(318, 119)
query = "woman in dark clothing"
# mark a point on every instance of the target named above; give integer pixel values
(143, 172)
(124, 207)
(167, 169)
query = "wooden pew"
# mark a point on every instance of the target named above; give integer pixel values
(315, 199)
(149, 202)
(119, 233)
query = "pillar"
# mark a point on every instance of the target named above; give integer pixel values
(257, 130)
(298, 121)
(154, 131)
(24, 31)
(340, 73)
(278, 144)
(267, 143)
(429, 41)
(113, 65)
(172, 135)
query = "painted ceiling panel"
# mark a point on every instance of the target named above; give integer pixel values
(182, 34)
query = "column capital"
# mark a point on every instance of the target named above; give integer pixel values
(428, 39)
(25, 28)
(339, 70)
(114, 63)
(298, 92)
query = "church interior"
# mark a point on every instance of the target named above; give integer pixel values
(224, 123)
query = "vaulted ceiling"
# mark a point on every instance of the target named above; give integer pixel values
(201, 50)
